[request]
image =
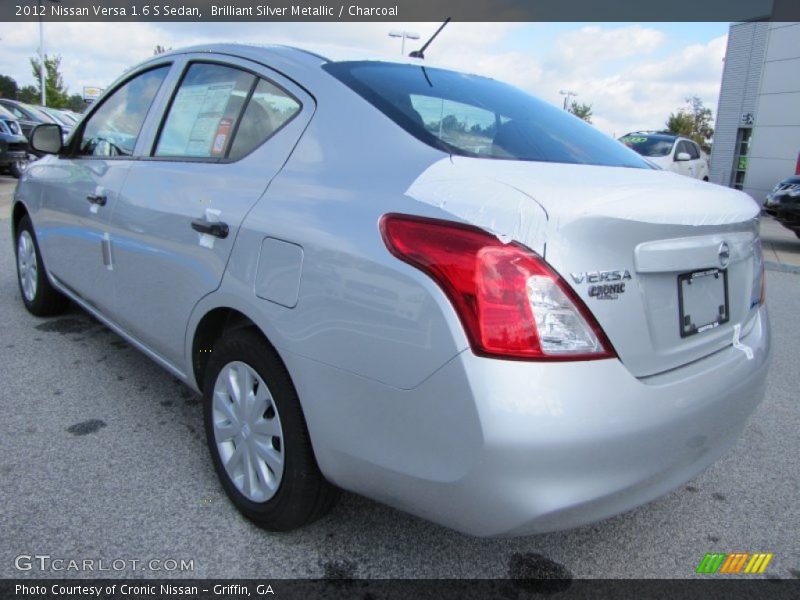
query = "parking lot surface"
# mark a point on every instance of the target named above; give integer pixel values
(102, 456)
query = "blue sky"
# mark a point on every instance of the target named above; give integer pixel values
(633, 74)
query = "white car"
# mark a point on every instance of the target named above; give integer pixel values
(670, 152)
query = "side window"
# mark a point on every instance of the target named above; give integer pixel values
(682, 147)
(694, 150)
(269, 109)
(112, 130)
(204, 112)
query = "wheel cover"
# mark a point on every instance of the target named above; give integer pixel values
(27, 266)
(247, 431)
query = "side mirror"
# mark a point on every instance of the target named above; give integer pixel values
(681, 156)
(46, 138)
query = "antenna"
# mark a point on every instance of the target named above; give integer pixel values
(421, 52)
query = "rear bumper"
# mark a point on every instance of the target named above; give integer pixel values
(499, 448)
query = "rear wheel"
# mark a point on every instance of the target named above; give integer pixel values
(258, 437)
(40, 298)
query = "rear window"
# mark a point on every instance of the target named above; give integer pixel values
(475, 116)
(649, 145)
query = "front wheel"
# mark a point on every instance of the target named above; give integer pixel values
(258, 437)
(40, 298)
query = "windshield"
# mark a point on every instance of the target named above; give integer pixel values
(649, 145)
(476, 116)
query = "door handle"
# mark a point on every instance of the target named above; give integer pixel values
(97, 199)
(217, 229)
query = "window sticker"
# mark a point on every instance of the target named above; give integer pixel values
(195, 123)
(221, 137)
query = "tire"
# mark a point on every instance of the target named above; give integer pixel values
(285, 488)
(17, 168)
(39, 297)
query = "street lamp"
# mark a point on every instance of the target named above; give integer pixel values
(41, 55)
(404, 35)
(567, 94)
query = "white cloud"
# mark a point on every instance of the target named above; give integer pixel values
(588, 46)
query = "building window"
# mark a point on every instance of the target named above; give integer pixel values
(743, 137)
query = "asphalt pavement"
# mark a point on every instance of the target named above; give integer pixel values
(102, 456)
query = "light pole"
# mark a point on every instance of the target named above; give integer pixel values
(567, 94)
(404, 35)
(41, 56)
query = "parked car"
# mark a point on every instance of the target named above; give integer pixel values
(783, 203)
(420, 285)
(64, 119)
(670, 152)
(13, 145)
(27, 115)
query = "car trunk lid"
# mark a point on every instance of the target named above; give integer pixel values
(652, 254)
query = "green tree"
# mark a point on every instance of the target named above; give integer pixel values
(57, 95)
(76, 103)
(693, 121)
(8, 87)
(582, 110)
(28, 94)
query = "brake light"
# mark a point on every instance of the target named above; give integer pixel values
(510, 302)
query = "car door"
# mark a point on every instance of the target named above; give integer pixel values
(228, 129)
(80, 188)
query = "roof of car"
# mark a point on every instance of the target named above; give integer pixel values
(311, 54)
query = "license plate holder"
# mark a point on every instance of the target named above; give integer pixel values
(702, 301)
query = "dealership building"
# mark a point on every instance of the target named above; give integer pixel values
(757, 134)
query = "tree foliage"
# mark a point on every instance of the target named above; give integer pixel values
(8, 87)
(582, 110)
(29, 94)
(76, 103)
(57, 94)
(693, 121)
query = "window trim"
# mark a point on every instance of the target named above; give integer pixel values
(151, 156)
(71, 151)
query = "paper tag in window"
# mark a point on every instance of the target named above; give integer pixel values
(221, 137)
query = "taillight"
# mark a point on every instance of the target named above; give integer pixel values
(510, 302)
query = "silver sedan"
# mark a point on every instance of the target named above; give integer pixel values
(424, 286)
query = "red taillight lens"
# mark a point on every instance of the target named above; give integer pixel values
(510, 302)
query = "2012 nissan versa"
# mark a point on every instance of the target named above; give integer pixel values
(424, 286)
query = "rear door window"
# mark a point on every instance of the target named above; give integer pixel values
(204, 112)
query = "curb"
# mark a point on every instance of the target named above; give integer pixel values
(781, 267)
